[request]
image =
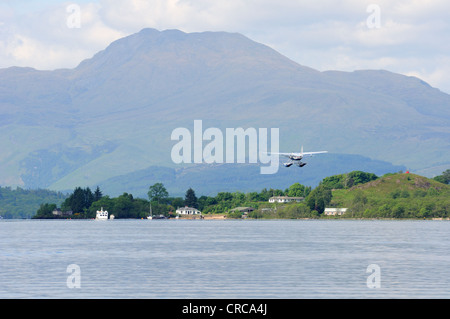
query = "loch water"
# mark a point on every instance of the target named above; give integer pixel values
(165, 259)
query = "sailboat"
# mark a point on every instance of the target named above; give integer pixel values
(156, 216)
(150, 216)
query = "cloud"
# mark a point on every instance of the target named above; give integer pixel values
(413, 37)
(44, 39)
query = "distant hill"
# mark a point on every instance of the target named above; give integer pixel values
(397, 196)
(109, 120)
(23, 203)
(210, 179)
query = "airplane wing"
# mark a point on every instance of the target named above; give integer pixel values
(313, 153)
(298, 154)
(283, 154)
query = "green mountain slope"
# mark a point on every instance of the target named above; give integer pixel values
(396, 195)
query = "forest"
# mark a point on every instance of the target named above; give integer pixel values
(23, 203)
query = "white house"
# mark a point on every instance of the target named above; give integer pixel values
(285, 199)
(58, 212)
(334, 211)
(188, 211)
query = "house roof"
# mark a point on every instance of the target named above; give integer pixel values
(187, 208)
(286, 197)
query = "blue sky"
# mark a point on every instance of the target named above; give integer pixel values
(411, 37)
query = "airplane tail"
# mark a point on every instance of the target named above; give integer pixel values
(301, 152)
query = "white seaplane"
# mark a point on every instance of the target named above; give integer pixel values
(296, 158)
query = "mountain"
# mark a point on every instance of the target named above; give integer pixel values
(109, 120)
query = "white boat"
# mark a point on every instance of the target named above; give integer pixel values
(102, 214)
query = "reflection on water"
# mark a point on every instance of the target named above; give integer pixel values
(224, 259)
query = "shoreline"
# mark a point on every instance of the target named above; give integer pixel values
(225, 218)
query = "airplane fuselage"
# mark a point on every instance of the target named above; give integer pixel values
(296, 158)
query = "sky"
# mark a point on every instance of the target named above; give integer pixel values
(411, 37)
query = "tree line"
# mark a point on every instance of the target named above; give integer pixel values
(83, 203)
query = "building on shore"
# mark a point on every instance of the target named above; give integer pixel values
(285, 199)
(188, 211)
(334, 211)
(58, 212)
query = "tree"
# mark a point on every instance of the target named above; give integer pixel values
(157, 193)
(177, 202)
(359, 201)
(359, 177)
(348, 180)
(319, 198)
(45, 211)
(190, 199)
(444, 177)
(123, 206)
(334, 182)
(97, 194)
(77, 200)
(88, 197)
(298, 190)
(224, 196)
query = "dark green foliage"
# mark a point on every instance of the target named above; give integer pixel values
(157, 193)
(291, 211)
(319, 199)
(97, 194)
(345, 181)
(190, 199)
(176, 202)
(444, 177)
(45, 211)
(79, 201)
(298, 190)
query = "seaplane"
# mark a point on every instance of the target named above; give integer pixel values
(296, 158)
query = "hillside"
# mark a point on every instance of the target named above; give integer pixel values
(23, 203)
(397, 196)
(111, 117)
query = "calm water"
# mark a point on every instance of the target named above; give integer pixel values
(224, 259)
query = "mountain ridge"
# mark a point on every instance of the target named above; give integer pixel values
(113, 114)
